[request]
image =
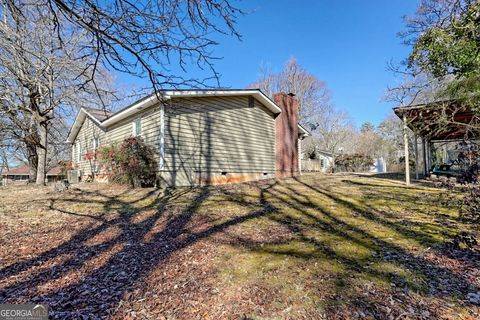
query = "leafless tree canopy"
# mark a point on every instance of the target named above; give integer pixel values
(333, 130)
(44, 79)
(55, 56)
(146, 38)
(312, 93)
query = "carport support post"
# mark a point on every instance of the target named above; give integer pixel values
(407, 157)
(416, 157)
(425, 160)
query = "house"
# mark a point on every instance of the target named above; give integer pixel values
(323, 161)
(21, 174)
(200, 136)
(326, 160)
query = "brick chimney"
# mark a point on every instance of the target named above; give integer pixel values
(286, 152)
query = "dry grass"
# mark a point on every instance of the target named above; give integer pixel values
(314, 247)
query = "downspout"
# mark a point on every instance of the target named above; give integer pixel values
(162, 136)
(299, 157)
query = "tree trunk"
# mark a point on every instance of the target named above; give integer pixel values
(333, 163)
(31, 142)
(42, 153)
(32, 162)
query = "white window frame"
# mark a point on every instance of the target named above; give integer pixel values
(136, 121)
(79, 152)
(95, 143)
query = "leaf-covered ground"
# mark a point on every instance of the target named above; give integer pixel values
(333, 247)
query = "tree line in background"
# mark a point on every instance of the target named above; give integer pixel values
(332, 129)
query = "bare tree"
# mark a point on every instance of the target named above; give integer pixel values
(150, 39)
(368, 142)
(42, 77)
(312, 93)
(19, 137)
(54, 53)
(333, 130)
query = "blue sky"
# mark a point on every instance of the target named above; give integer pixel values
(346, 43)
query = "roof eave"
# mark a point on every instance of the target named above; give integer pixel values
(257, 93)
(134, 108)
(303, 132)
(153, 98)
(77, 124)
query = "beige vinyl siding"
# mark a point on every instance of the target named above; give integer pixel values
(150, 122)
(203, 137)
(208, 136)
(87, 132)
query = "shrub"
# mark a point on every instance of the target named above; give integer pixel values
(354, 162)
(132, 162)
(470, 210)
(93, 158)
(469, 203)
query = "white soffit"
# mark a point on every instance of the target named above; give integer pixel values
(259, 95)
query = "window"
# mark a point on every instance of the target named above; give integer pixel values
(79, 152)
(322, 163)
(95, 143)
(137, 127)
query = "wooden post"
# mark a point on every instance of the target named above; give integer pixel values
(407, 158)
(425, 161)
(416, 158)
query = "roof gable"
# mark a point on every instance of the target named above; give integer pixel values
(96, 115)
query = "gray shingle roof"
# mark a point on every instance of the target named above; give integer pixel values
(99, 114)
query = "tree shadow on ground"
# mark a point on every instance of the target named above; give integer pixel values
(130, 254)
(313, 219)
(146, 235)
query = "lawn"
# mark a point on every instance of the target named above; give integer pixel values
(316, 247)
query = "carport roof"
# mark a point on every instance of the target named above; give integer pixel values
(441, 120)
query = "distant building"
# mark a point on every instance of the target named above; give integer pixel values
(379, 165)
(20, 175)
(326, 160)
(323, 161)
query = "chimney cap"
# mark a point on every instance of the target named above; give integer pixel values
(291, 94)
